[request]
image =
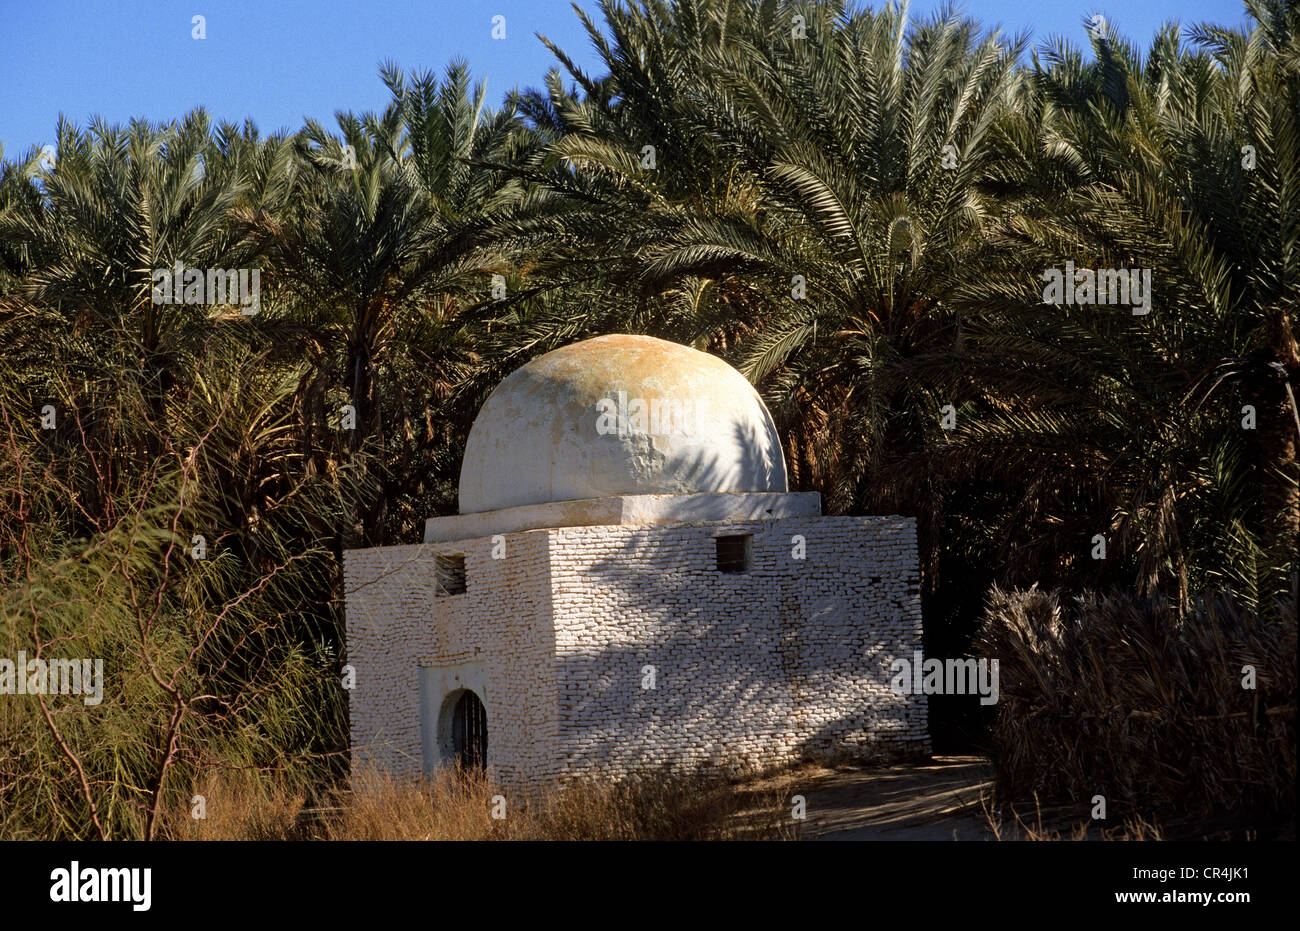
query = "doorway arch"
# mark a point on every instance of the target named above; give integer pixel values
(465, 730)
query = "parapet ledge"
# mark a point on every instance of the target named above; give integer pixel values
(625, 510)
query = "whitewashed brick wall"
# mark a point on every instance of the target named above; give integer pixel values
(788, 660)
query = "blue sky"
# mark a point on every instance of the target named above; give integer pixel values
(278, 61)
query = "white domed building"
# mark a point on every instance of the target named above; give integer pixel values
(630, 587)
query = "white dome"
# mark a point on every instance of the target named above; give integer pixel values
(619, 415)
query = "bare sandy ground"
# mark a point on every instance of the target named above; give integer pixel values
(935, 800)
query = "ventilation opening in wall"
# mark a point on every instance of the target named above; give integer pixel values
(734, 552)
(451, 574)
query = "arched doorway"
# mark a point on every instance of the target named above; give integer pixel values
(469, 730)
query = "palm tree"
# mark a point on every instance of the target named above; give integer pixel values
(1132, 426)
(90, 229)
(391, 235)
(827, 210)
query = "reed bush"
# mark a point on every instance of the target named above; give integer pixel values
(1111, 695)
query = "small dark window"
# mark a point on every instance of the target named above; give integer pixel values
(734, 553)
(451, 575)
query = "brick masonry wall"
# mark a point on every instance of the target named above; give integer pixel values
(788, 660)
(396, 623)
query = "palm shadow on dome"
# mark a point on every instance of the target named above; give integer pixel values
(753, 462)
(705, 472)
(767, 449)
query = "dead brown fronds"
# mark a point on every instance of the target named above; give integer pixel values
(1126, 699)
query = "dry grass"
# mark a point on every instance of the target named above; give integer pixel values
(458, 806)
(1126, 699)
(1058, 825)
(238, 805)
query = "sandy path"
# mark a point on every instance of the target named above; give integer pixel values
(935, 800)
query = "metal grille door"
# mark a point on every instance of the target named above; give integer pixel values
(469, 731)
